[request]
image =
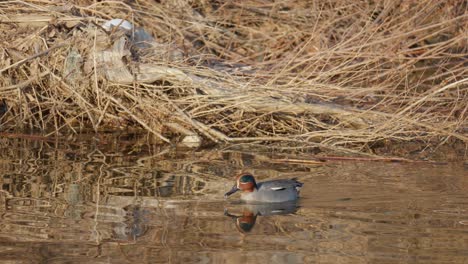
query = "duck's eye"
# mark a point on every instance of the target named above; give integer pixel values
(246, 178)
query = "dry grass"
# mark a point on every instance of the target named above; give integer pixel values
(340, 75)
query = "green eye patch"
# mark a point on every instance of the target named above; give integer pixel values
(246, 178)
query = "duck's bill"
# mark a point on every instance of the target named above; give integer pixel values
(233, 190)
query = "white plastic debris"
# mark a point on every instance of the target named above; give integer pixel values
(192, 141)
(117, 22)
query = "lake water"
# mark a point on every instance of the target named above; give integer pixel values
(121, 200)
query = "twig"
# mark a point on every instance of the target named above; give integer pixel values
(25, 83)
(37, 55)
(143, 124)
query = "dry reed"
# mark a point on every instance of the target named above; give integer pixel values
(340, 75)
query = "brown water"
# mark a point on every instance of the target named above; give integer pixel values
(123, 201)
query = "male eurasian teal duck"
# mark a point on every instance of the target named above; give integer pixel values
(274, 191)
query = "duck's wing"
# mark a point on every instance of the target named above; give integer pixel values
(279, 185)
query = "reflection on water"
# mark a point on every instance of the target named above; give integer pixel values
(121, 200)
(246, 220)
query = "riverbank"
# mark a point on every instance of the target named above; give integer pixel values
(356, 79)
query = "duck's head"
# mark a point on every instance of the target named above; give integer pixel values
(244, 182)
(244, 222)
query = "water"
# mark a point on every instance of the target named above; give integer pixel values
(120, 200)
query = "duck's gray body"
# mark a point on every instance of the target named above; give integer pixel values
(275, 191)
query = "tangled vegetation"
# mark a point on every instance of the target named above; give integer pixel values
(351, 76)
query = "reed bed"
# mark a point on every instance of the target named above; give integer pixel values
(348, 76)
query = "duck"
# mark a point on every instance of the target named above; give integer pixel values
(274, 191)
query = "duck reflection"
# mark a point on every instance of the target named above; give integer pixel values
(246, 221)
(135, 224)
